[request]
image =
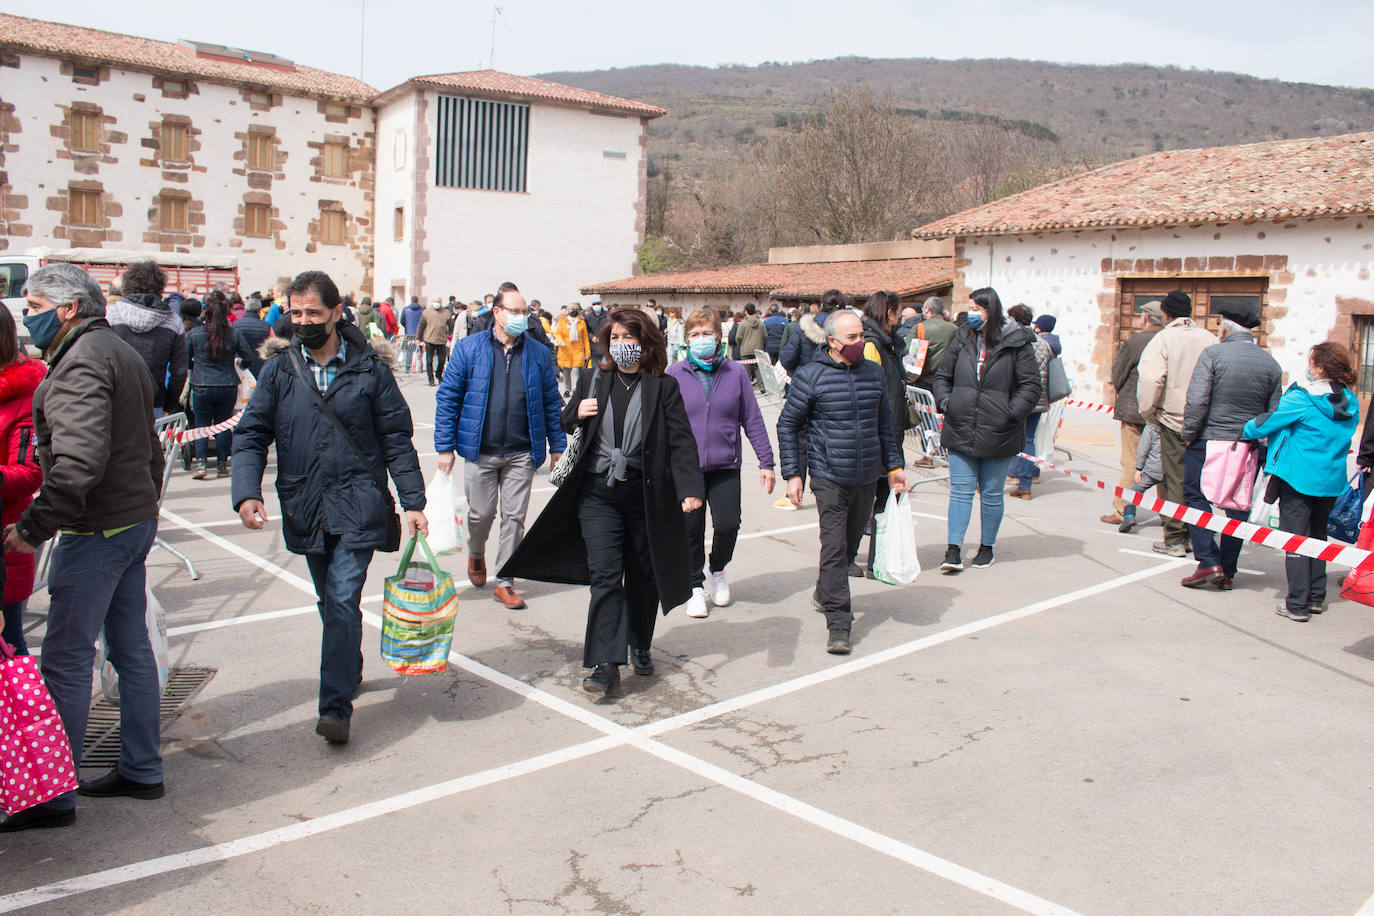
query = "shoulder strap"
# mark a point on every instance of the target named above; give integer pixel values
(314, 390)
(921, 330)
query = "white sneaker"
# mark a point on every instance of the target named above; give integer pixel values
(696, 605)
(720, 590)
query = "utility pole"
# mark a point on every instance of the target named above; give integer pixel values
(496, 12)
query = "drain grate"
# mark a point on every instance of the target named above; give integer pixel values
(101, 747)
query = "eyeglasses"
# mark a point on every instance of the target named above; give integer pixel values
(517, 313)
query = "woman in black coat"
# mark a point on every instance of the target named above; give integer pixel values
(882, 313)
(987, 384)
(617, 523)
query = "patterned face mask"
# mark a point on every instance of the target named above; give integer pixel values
(626, 354)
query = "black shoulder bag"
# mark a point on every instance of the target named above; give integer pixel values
(393, 528)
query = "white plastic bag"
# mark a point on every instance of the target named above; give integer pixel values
(1261, 512)
(156, 619)
(895, 560)
(447, 509)
(247, 385)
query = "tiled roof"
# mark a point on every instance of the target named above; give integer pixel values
(508, 85)
(1281, 179)
(905, 276)
(56, 39)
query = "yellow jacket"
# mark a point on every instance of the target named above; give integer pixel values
(572, 354)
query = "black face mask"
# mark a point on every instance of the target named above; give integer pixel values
(312, 336)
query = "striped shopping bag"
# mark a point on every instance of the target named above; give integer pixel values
(417, 614)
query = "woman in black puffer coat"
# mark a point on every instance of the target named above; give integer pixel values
(988, 383)
(882, 313)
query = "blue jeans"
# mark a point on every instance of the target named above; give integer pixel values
(1205, 549)
(1026, 471)
(97, 584)
(14, 628)
(339, 575)
(214, 404)
(967, 474)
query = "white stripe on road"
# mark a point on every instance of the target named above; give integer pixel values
(1155, 556)
(242, 553)
(252, 618)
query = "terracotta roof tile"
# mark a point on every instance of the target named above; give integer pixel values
(508, 85)
(55, 39)
(1281, 179)
(905, 276)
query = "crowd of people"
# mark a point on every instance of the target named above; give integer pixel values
(640, 413)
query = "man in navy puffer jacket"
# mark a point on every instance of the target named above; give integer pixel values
(497, 406)
(840, 399)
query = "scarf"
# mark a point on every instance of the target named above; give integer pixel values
(708, 365)
(618, 461)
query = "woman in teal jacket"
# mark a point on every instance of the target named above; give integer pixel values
(1309, 435)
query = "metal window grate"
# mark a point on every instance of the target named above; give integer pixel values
(100, 750)
(481, 144)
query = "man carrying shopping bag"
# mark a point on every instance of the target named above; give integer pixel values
(498, 405)
(102, 471)
(329, 401)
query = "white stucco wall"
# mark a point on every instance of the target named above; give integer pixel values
(37, 88)
(575, 222)
(395, 188)
(1061, 274)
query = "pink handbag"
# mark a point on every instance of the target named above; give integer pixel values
(35, 756)
(1228, 474)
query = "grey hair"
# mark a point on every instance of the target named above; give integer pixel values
(832, 321)
(937, 306)
(67, 284)
(1231, 327)
(1158, 319)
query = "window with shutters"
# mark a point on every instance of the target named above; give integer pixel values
(257, 220)
(332, 227)
(174, 143)
(334, 160)
(83, 208)
(85, 131)
(173, 214)
(260, 147)
(481, 144)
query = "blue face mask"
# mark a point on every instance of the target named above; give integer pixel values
(975, 320)
(516, 324)
(703, 348)
(43, 327)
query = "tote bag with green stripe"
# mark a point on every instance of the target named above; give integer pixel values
(418, 609)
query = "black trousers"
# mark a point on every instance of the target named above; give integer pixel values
(843, 512)
(1306, 515)
(881, 490)
(435, 354)
(723, 497)
(624, 595)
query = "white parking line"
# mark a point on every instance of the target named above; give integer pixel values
(1155, 556)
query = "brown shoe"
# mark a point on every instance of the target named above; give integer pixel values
(507, 596)
(1111, 518)
(477, 570)
(923, 463)
(1019, 493)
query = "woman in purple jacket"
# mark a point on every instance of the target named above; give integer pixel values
(720, 401)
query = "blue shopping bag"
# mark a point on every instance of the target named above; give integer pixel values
(1344, 522)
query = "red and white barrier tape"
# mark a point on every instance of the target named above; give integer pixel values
(1316, 548)
(205, 432)
(1089, 406)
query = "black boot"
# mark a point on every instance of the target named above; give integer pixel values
(642, 661)
(604, 680)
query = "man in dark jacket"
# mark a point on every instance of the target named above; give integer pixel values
(254, 331)
(1234, 382)
(497, 407)
(335, 508)
(143, 321)
(840, 400)
(1125, 378)
(939, 330)
(774, 324)
(102, 475)
(595, 317)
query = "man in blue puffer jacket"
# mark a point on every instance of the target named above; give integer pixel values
(497, 406)
(840, 399)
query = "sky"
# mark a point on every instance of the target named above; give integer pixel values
(388, 41)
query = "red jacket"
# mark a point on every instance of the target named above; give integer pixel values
(20, 476)
(388, 318)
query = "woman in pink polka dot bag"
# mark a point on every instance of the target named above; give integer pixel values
(35, 757)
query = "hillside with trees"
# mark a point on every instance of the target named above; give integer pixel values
(967, 131)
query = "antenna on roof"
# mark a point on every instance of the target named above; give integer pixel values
(496, 12)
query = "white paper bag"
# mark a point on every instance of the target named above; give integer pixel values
(447, 509)
(895, 560)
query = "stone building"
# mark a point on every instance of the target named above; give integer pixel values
(1283, 226)
(444, 185)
